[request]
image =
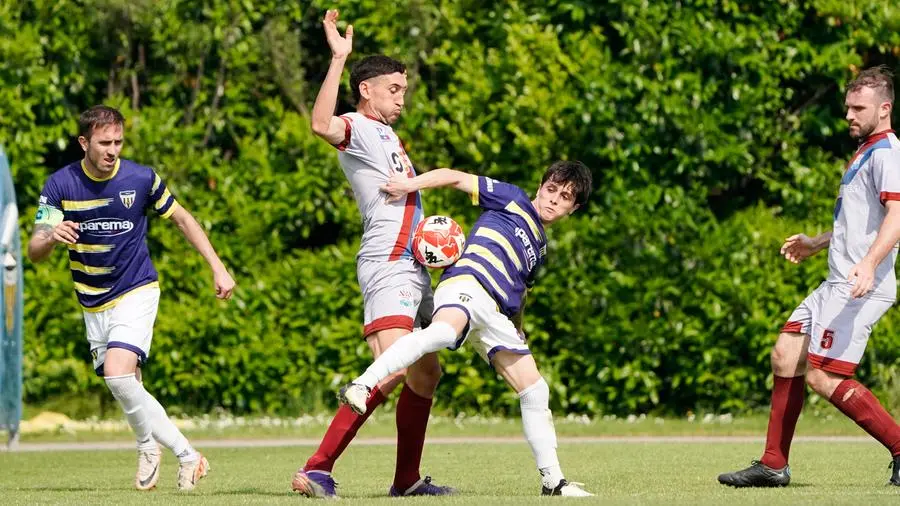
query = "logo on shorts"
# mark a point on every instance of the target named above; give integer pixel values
(127, 198)
(94, 354)
(406, 298)
(464, 297)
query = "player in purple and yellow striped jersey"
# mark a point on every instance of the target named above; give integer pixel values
(97, 207)
(480, 299)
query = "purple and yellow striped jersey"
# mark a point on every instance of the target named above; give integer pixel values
(506, 245)
(111, 257)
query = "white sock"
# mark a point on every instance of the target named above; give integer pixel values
(406, 350)
(129, 394)
(537, 423)
(166, 432)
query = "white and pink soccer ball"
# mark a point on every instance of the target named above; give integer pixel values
(438, 241)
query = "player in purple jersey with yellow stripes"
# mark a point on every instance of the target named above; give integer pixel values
(481, 298)
(97, 207)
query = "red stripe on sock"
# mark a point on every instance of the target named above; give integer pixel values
(787, 402)
(340, 432)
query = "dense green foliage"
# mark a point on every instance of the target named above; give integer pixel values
(714, 130)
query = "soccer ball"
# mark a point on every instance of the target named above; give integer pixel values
(438, 241)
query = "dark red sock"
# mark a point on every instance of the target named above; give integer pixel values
(339, 434)
(412, 420)
(857, 402)
(787, 401)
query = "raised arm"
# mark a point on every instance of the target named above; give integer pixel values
(324, 123)
(197, 237)
(400, 185)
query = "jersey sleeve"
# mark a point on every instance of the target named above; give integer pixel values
(161, 199)
(886, 174)
(355, 139)
(495, 195)
(50, 210)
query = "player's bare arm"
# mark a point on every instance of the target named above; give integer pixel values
(797, 248)
(400, 185)
(863, 274)
(195, 235)
(324, 123)
(45, 237)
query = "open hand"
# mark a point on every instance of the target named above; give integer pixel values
(340, 46)
(397, 188)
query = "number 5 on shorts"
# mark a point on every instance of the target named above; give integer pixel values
(827, 339)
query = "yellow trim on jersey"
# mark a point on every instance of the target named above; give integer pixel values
(465, 262)
(156, 182)
(85, 205)
(91, 248)
(474, 194)
(110, 304)
(107, 178)
(498, 238)
(486, 254)
(88, 269)
(175, 206)
(161, 201)
(90, 290)
(514, 208)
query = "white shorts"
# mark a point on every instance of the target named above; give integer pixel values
(396, 295)
(489, 330)
(838, 325)
(127, 325)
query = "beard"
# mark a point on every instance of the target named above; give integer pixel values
(865, 129)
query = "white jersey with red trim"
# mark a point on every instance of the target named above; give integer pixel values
(370, 153)
(871, 179)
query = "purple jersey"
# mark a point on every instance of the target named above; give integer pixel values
(110, 257)
(505, 246)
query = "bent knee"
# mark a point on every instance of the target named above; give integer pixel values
(425, 374)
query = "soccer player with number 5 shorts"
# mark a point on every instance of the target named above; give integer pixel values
(481, 297)
(825, 337)
(396, 289)
(97, 207)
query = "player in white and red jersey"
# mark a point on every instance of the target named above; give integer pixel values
(830, 329)
(396, 289)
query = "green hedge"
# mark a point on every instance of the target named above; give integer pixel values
(714, 130)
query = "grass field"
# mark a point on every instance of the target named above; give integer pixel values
(497, 473)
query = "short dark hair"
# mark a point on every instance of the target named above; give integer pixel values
(98, 116)
(879, 78)
(575, 172)
(372, 66)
